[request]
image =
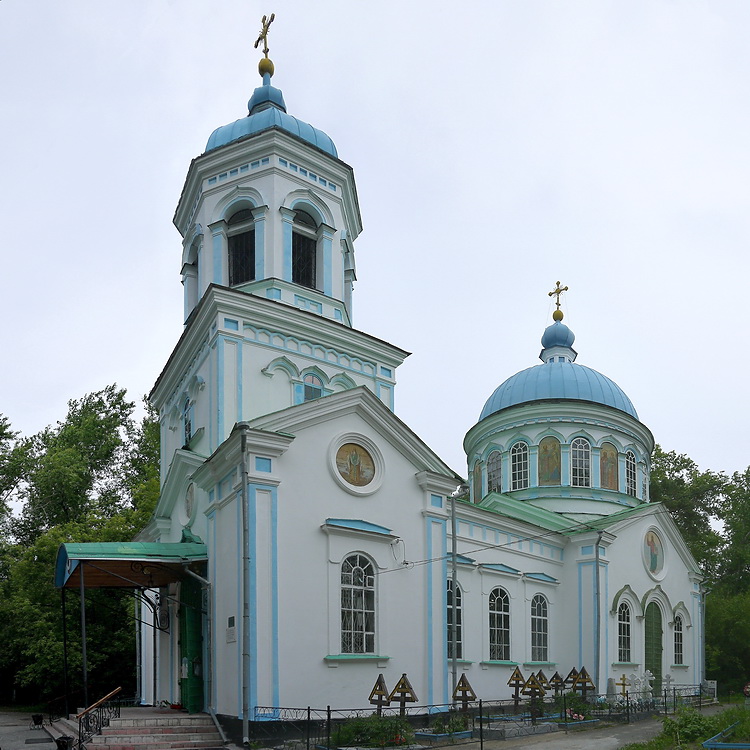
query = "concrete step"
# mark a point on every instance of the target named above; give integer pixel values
(106, 739)
(114, 730)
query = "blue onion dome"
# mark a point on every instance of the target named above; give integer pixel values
(558, 378)
(558, 334)
(266, 110)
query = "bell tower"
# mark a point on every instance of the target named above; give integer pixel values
(270, 210)
(268, 216)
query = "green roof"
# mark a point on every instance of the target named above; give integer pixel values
(125, 564)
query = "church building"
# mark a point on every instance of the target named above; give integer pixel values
(304, 539)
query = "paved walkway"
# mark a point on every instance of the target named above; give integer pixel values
(15, 733)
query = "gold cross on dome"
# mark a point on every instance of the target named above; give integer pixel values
(558, 290)
(263, 36)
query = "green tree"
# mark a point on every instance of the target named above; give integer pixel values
(695, 500)
(734, 570)
(90, 478)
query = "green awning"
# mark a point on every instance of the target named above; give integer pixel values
(126, 564)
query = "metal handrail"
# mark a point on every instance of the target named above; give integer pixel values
(98, 703)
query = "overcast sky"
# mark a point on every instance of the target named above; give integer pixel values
(498, 146)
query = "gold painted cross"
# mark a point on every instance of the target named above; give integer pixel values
(263, 36)
(558, 290)
(623, 683)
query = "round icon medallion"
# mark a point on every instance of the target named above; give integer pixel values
(355, 464)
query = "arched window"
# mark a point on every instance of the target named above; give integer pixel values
(494, 463)
(580, 463)
(313, 387)
(539, 629)
(549, 462)
(187, 421)
(630, 474)
(357, 606)
(241, 244)
(678, 643)
(519, 466)
(455, 631)
(623, 633)
(499, 625)
(476, 476)
(304, 250)
(608, 470)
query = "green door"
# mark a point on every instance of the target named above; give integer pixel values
(654, 644)
(191, 646)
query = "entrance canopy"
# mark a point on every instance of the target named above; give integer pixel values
(126, 564)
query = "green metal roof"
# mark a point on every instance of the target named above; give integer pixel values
(125, 564)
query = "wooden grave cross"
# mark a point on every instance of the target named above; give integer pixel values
(584, 683)
(464, 693)
(403, 693)
(516, 681)
(571, 678)
(379, 694)
(557, 683)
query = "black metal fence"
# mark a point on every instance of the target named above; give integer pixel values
(442, 725)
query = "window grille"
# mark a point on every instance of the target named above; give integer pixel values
(241, 246)
(539, 629)
(494, 464)
(357, 606)
(580, 466)
(499, 625)
(630, 473)
(313, 387)
(678, 650)
(455, 634)
(476, 476)
(304, 250)
(519, 466)
(623, 633)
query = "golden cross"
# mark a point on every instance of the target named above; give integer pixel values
(623, 683)
(558, 290)
(263, 36)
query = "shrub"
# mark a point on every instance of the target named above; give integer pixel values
(689, 724)
(373, 731)
(449, 723)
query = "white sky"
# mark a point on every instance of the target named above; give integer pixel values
(498, 146)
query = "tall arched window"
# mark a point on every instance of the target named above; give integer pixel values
(678, 643)
(241, 244)
(455, 631)
(519, 466)
(608, 469)
(357, 606)
(623, 633)
(549, 462)
(499, 625)
(494, 463)
(580, 463)
(304, 250)
(630, 474)
(187, 421)
(313, 387)
(476, 481)
(539, 629)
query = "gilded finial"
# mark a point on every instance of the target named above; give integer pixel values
(265, 65)
(557, 315)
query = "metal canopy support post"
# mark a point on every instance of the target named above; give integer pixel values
(65, 649)
(83, 638)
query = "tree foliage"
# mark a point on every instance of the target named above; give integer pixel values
(92, 477)
(695, 500)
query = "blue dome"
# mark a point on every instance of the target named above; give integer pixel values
(267, 110)
(558, 334)
(558, 380)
